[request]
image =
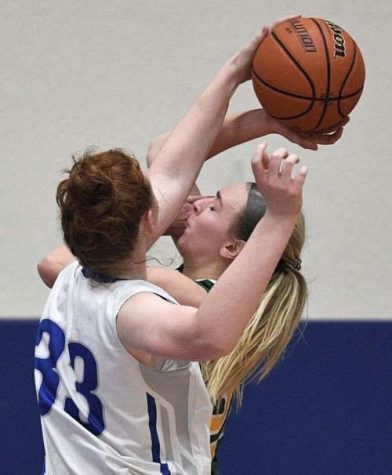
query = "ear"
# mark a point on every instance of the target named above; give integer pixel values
(232, 248)
(149, 221)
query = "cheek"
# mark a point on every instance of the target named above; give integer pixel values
(190, 244)
(210, 231)
(201, 234)
(209, 228)
(203, 225)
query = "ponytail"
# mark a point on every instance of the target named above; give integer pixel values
(270, 330)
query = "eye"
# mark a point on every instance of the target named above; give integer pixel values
(212, 208)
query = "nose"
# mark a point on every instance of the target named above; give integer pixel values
(201, 204)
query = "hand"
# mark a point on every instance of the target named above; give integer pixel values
(281, 190)
(243, 60)
(308, 140)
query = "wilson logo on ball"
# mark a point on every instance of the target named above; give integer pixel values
(303, 35)
(340, 47)
(308, 73)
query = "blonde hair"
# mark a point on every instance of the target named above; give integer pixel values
(268, 332)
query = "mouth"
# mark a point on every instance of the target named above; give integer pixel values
(187, 226)
(188, 222)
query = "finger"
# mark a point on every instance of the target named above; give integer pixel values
(264, 33)
(332, 138)
(345, 121)
(281, 153)
(329, 139)
(306, 143)
(287, 166)
(260, 161)
(332, 129)
(253, 45)
(300, 178)
(265, 159)
(300, 139)
(325, 137)
(260, 156)
(282, 20)
(276, 159)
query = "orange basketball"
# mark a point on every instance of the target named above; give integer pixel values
(309, 73)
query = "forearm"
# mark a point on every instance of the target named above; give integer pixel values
(236, 129)
(189, 142)
(244, 281)
(236, 295)
(195, 134)
(241, 128)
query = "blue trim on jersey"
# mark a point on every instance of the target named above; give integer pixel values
(99, 276)
(155, 445)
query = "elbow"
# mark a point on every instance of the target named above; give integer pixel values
(47, 272)
(209, 342)
(149, 159)
(215, 348)
(222, 350)
(151, 154)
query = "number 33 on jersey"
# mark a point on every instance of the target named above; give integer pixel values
(77, 361)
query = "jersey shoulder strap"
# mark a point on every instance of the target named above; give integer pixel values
(207, 284)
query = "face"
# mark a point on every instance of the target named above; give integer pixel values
(209, 223)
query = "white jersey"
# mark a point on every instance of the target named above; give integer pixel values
(102, 411)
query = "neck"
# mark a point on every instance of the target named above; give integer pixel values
(135, 272)
(135, 268)
(204, 270)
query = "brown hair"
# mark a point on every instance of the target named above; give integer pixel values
(102, 203)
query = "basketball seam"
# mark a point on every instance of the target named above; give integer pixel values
(346, 78)
(327, 99)
(283, 47)
(295, 117)
(277, 39)
(298, 96)
(328, 74)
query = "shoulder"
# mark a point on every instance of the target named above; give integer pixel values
(149, 288)
(151, 324)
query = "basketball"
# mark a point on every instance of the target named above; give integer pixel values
(309, 73)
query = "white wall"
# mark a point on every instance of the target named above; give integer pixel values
(118, 73)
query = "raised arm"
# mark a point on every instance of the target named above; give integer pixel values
(146, 323)
(179, 160)
(235, 130)
(250, 125)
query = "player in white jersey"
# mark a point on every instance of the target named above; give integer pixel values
(103, 410)
(113, 353)
(252, 206)
(160, 434)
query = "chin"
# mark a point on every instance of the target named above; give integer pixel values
(182, 245)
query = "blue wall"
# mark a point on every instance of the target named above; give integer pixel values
(326, 409)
